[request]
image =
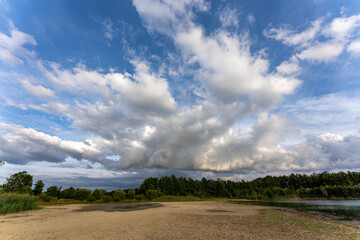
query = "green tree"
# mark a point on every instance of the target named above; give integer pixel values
(98, 194)
(53, 191)
(39, 186)
(119, 195)
(20, 182)
(68, 193)
(82, 194)
(1, 163)
(130, 194)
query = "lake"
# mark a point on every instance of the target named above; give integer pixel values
(347, 211)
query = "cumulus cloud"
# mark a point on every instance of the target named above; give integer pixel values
(327, 151)
(12, 50)
(230, 71)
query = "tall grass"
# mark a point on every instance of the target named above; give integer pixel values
(12, 202)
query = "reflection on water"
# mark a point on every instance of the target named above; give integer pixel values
(337, 209)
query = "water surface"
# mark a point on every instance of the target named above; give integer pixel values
(340, 210)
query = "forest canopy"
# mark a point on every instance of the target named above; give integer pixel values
(318, 185)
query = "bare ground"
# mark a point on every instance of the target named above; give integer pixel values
(174, 220)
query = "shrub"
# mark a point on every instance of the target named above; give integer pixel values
(98, 194)
(91, 199)
(107, 199)
(82, 194)
(139, 197)
(151, 194)
(130, 194)
(12, 202)
(53, 191)
(47, 198)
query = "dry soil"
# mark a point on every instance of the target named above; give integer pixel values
(172, 220)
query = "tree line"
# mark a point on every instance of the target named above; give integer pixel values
(318, 185)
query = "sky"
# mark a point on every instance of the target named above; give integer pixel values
(103, 94)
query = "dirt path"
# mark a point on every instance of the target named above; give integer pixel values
(175, 220)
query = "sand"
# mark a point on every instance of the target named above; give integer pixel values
(172, 220)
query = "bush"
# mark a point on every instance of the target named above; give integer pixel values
(47, 198)
(139, 197)
(130, 194)
(151, 194)
(82, 194)
(91, 199)
(107, 199)
(116, 199)
(53, 191)
(98, 194)
(12, 202)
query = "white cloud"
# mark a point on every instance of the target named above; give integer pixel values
(109, 29)
(289, 67)
(342, 28)
(229, 17)
(147, 91)
(289, 37)
(163, 16)
(37, 90)
(354, 47)
(322, 52)
(22, 145)
(335, 113)
(230, 71)
(251, 19)
(327, 151)
(322, 42)
(12, 50)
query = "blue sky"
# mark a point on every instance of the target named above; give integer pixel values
(106, 93)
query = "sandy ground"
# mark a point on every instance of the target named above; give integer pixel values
(174, 220)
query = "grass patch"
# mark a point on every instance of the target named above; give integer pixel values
(284, 220)
(12, 202)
